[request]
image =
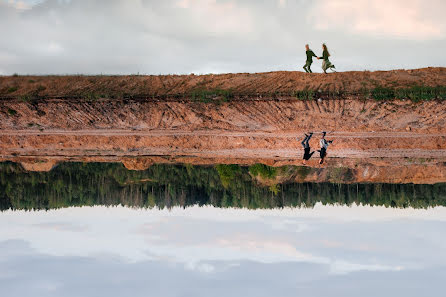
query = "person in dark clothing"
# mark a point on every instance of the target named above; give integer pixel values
(324, 145)
(310, 55)
(307, 148)
(326, 64)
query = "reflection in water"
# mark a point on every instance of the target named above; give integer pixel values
(215, 250)
(207, 251)
(166, 186)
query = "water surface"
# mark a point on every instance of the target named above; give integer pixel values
(174, 230)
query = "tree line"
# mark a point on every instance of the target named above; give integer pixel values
(166, 186)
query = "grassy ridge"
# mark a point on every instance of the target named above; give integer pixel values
(416, 93)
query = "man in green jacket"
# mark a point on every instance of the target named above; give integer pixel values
(310, 55)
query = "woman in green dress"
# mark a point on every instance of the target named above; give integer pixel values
(326, 64)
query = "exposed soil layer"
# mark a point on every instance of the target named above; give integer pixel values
(249, 84)
(258, 117)
(393, 141)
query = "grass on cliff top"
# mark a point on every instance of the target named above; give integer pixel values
(207, 96)
(415, 93)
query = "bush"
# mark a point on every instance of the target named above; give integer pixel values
(41, 88)
(12, 89)
(415, 93)
(227, 173)
(25, 98)
(381, 93)
(304, 95)
(303, 171)
(207, 96)
(12, 112)
(264, 171)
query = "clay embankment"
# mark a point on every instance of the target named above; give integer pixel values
(392, 141)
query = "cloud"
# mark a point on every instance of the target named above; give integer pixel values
(282, 3)
(342, 267)
(62, 227)
(409, 19)
(339, 251)
(201, 267)
(28, 272)
(216, 18)
(188, 237)
(54, 48)
(20, 5)
(203, 36)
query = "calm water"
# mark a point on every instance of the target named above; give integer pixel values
(101, 230)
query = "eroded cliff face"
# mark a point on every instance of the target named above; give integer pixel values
(396, 141)
(268, 116)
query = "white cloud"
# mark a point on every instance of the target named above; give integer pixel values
(48, 252)
(217, 17)
(200, 267)
(20, 5)
(211, 36)
(199, 235)
(54, 48)
(343, 267)
(409, 19)
(30, 273)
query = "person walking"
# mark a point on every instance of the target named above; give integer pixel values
(326, 64)
(307, 149)
(324, 145)
(310, 55)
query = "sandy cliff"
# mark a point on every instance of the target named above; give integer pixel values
(139, 120)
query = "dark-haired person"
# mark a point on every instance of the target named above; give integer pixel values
(326, 64)
(324, 145)
(306, 144)
(310, 55)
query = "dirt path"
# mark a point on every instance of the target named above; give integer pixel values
(216, 144)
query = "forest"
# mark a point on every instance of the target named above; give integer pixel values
(166, 186)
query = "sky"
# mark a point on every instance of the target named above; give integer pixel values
(322, 251)
(217, 36)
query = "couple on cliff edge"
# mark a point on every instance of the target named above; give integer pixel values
(326, 64)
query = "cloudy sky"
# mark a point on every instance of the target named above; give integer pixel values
(325, 251)
(214, 36)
